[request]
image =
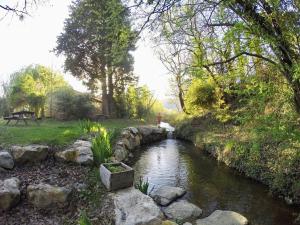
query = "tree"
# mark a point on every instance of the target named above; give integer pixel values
(97, 40)
(227, 33)
(18, 7)
(176, 61)
(29, 87)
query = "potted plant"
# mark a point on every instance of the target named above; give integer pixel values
(116, 176)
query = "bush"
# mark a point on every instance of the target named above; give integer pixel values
(201, 96)
(68, 104)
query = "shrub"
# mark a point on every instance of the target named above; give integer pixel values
(67, 104)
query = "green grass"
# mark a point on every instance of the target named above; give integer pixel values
(51, 132)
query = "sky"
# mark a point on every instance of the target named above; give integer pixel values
(31, 40)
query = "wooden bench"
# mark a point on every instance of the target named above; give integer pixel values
(21, 116)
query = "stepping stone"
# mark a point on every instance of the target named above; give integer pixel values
(165, 195)
(6, 160)
(220, 217)
(182, 211)
(9, 193)
(45, 195)
(132, 207)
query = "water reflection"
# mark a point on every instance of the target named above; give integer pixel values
(210, 185)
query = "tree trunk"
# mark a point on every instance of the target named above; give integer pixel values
(105, 109)
(111, 103)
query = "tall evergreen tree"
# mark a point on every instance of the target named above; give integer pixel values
(97, 40)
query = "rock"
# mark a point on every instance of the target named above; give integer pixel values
(168, 222)
(151, 134)
(145, 130)
(79, 186)
(187, 223)
(80, 152)
(9, 193)
(2, 170)
(132, 207)
(45, 195)
(288, 200)
(6, 160)
(29, 153)
(220, 217)
(182, 211)
(120, 153)
(165, 195)
(297, 220)
(133, 130)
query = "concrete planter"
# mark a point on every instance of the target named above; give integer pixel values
(116, 180)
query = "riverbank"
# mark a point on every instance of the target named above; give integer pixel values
(272, 161)
(46, 185)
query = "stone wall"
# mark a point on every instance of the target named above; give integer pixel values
(131, 138)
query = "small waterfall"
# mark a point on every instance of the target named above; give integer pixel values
(169, 128)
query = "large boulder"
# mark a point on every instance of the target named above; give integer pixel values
(182, 211)
(220, 217)
(120, 153)
(130, 138)
(164, 195)
(45, 195)
(132, 207)
(6, 160)
(80, 152)
(151, 134)
(29, 153)
(9, 193)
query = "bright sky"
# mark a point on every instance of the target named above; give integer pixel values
(30, 42)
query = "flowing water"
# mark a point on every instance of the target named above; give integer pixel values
(209, 184)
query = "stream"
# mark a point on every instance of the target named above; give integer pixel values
(209, 184)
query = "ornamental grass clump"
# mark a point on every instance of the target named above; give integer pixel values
(101, 146)
(143, 186)
(84, 220)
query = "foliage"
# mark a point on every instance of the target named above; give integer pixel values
(115, 168)
(4, 107)
(143, 186)
(101, 146)
(139, 102)
(83, 219)
(29, 88)
(67, 104)
(96, 41)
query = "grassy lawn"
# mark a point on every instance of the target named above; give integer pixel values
(50, 132)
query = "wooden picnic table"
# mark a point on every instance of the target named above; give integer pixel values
(21, 116)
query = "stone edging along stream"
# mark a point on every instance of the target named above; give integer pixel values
(43, 195)
(130, 206)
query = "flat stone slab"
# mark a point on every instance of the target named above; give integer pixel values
(166, 194)
(45, 195)
(80, 152)
(182, 211)
(6, 160)
(220, 217)
(29, 153)
(9, 193)
(132, 207)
